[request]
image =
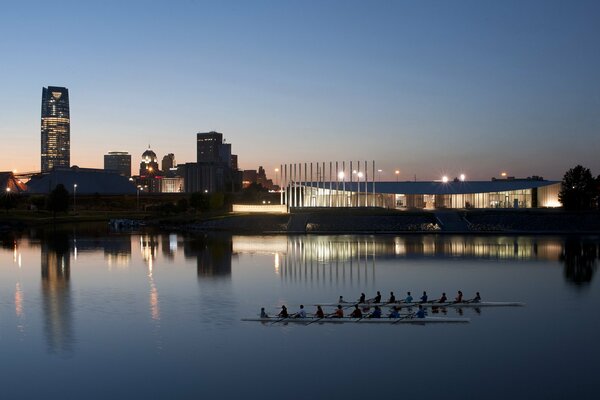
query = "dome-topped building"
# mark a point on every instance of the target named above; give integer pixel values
(149, 164)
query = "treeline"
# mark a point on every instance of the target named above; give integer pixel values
(61, 201)
(580, 190)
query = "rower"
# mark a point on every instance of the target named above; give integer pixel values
(301, 313)
(376, 313)
(284, 312)
(339, 313)
(459, 298)
(395, 313)
(356, 313)
(409, 298)
(377, 299)
(263, 313)
(443, 299)
(476, 299)
(319, 313)
(424, 297)
(392, 298)
(362, 298)
(421, 312)
(341, 299)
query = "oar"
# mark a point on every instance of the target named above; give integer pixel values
(281, 319)
(411, 315)
(318, 319)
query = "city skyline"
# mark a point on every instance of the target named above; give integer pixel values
(428, 89)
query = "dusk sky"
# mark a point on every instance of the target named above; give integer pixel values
(426, 87)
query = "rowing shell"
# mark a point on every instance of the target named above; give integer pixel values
(428, 304)
(426, 320)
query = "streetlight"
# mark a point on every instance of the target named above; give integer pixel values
(379, 171)
(503, 174)
(139, 187)
(445, 179)
(397, 172)
(462, 177)
(74, 197)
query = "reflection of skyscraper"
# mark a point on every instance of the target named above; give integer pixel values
(213, 254)
(56, 295)
(55, 128)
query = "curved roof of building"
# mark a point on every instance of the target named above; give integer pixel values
(440, 188)
(149, 156)
(89, 181)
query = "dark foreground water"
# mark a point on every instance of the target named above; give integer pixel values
(117, 316)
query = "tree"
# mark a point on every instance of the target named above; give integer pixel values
(59, 199)
(578, 189)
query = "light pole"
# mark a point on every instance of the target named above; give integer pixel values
(397, 172)
(277, 176)
(74, 198)
(379, 171)
(139, 187)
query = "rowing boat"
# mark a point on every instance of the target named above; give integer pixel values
(428, 304)
(404, 320)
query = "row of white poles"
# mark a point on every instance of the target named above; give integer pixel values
(310, 184)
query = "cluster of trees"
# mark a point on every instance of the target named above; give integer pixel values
(580, 190)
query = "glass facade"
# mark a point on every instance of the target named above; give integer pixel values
(118, 161)
(300, 195)
(55, 128)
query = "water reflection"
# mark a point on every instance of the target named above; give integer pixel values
(56, 295)
(213, 254)
(580, 258)
(353, 258)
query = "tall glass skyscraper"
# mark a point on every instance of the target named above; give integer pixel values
(56, 128)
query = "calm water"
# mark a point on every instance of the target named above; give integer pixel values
(106, 315)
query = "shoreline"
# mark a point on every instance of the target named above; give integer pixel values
(341, 222)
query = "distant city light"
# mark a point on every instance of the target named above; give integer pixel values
(503, 174)
(462, 177)
(444, 179)
(341, 175)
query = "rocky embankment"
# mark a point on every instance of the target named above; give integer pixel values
(534, 221)
(319, 223)
(473, 221)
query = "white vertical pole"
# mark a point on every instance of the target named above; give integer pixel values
(281, 184)
(330, 184)
(312, 190)
(303, 202)
(295, 194)
(285, 194)
(366, 182)
(337, 185)
(351, 199)
(305, 183)
(344, 182)
(374, 198)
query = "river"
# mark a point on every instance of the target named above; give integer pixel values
(88, 313)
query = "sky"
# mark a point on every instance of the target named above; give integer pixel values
(429, 88)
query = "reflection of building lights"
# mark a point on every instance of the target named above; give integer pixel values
(276, 262)
(18, 300)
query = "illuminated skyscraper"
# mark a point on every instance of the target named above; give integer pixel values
(55, 128)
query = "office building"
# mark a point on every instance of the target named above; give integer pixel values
(55, 128)
(149, 164)
(168, 162)
(119, 161)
